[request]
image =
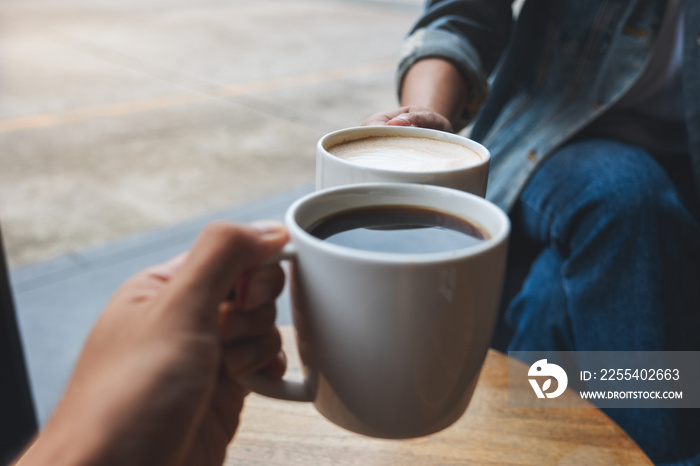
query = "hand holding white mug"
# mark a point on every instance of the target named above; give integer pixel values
(434, 95)
(420, 117)
(157, 381)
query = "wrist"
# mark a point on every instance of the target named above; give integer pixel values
(435, 84)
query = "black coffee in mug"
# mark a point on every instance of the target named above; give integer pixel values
(398, 229)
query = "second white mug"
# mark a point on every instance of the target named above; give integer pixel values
(333, 170)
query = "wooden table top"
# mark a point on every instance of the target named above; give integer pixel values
(286, 433)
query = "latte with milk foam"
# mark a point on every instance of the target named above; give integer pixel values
(411, 154)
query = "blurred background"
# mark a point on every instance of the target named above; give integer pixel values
(123, 116)
(128, 125)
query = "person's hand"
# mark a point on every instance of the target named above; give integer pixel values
(421, 117)
(156, 382)
(433, 95)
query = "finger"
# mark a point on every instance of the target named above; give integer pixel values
(259, 287)
(245, 357)
(422, 119)
(378, 119)
(246, 325)
(277, 367)
(224, 251)
(253, 312)
(219, 257)
(382, 118)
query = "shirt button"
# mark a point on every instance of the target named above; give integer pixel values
(634, 31)
(531, 156)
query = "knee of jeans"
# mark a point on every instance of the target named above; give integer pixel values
(637, 190)
(634, 191)
(595, 183)
(626, 190)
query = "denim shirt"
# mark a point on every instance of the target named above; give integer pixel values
(558, 67)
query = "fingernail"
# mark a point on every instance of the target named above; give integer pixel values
(399, 122)
(268, 227)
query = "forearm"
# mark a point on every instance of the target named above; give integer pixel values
(435, 84)
(449, 55)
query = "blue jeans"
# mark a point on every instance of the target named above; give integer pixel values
(619, 270)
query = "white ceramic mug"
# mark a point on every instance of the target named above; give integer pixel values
(391, 344)
(333, 171)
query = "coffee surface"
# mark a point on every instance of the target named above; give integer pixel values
(405, 153)
(398, 229)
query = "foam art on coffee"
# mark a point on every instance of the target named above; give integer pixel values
(412, 154)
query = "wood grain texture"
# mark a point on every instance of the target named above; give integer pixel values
(276, 432)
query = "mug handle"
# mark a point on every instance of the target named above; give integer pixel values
(282, 389)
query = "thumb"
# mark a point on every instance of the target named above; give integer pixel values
(221, 254)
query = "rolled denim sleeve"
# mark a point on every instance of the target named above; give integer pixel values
(471, 34)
